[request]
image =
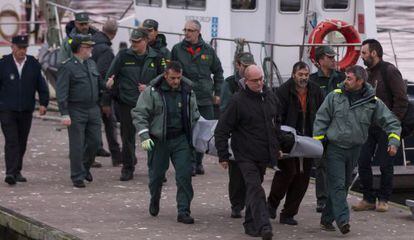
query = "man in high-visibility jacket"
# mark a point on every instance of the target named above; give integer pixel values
(342, 122)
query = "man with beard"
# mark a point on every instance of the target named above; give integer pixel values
(342, 122)
(251, 120)
(200, 61)
(390, 88)
(156, 40)
(299, 101)
(82, 26)
(328, 78)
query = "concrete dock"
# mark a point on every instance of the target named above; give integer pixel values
(108, 209)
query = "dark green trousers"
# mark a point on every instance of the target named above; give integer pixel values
(178, 150)
(206, 112)
(320, 180)
(340, 164)
(84, 139)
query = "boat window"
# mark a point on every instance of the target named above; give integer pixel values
(335, 4)
(187, 4)
(243, 4)
(149, 3)
(290, 5)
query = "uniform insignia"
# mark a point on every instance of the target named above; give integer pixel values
(152, 65)
(129, 63)
(204, 57)
(12, 76)
(70, 40)
(179, 105)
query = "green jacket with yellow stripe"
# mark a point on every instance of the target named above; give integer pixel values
(130, 70)
(345, 123)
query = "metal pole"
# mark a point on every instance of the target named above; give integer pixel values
(393, 50)
(271, 66)
(58, 24)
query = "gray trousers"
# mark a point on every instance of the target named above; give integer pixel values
(84, 139)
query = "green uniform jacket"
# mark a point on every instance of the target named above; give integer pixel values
(65, 51)
(160, 44)
(230, 86)
(327, 84)
(149, 115)
(199, 68)
(126, 68)
(78, 85)
(346, 125)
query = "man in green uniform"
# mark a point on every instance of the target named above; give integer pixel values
(156, 40)
(77, 91)
(129, 74)
(200, 61)
(342, 122)
(82, 26)
(327, 78)
(164, 117)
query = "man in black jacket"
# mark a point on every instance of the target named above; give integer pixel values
(103, 55)
(20, 78)
(299, 101)
(156, 40)
(251, 119)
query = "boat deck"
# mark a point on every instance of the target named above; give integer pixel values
(108, 209)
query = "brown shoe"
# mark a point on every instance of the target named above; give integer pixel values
(382, 206)
(363, 206)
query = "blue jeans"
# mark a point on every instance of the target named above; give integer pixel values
(375, 150)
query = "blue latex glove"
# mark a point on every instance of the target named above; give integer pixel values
(147, 145)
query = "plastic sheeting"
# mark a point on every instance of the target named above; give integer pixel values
(203, 141)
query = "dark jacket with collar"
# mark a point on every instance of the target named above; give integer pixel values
(129, 72)
(252, 121)
(102, 53)
(17, 93)
(327, 84)
(394, 96)
(290, 109)
(198, 67)
(160, 44)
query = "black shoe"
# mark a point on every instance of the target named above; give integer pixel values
(235, 213)
(267, 233)
(79, 184)
(329, 227)
(288, 221)
(126, 176)
(320, 207)
(103, 153)
(89, 177)
(345, 228)
(185, 218)
(10, 179)
(164, 180)
(96, 164)
(199, 169)
(19, 178)
(154, 207)
(272, 211)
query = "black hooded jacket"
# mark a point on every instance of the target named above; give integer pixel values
(102, 53)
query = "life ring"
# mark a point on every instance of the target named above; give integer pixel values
(348, 31)
(9, 13)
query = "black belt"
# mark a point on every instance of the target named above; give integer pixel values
(174, 134)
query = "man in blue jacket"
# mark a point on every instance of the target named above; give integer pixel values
(20, 78)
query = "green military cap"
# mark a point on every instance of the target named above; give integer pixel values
(82, 39)
(82, 17)
(150, 24)
(324, 50)
(138, 33)
(246, 58)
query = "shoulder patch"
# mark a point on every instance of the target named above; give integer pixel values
(338, 90)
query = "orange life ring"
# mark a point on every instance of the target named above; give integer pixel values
(348, 31)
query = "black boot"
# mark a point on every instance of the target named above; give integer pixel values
(185, 218)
